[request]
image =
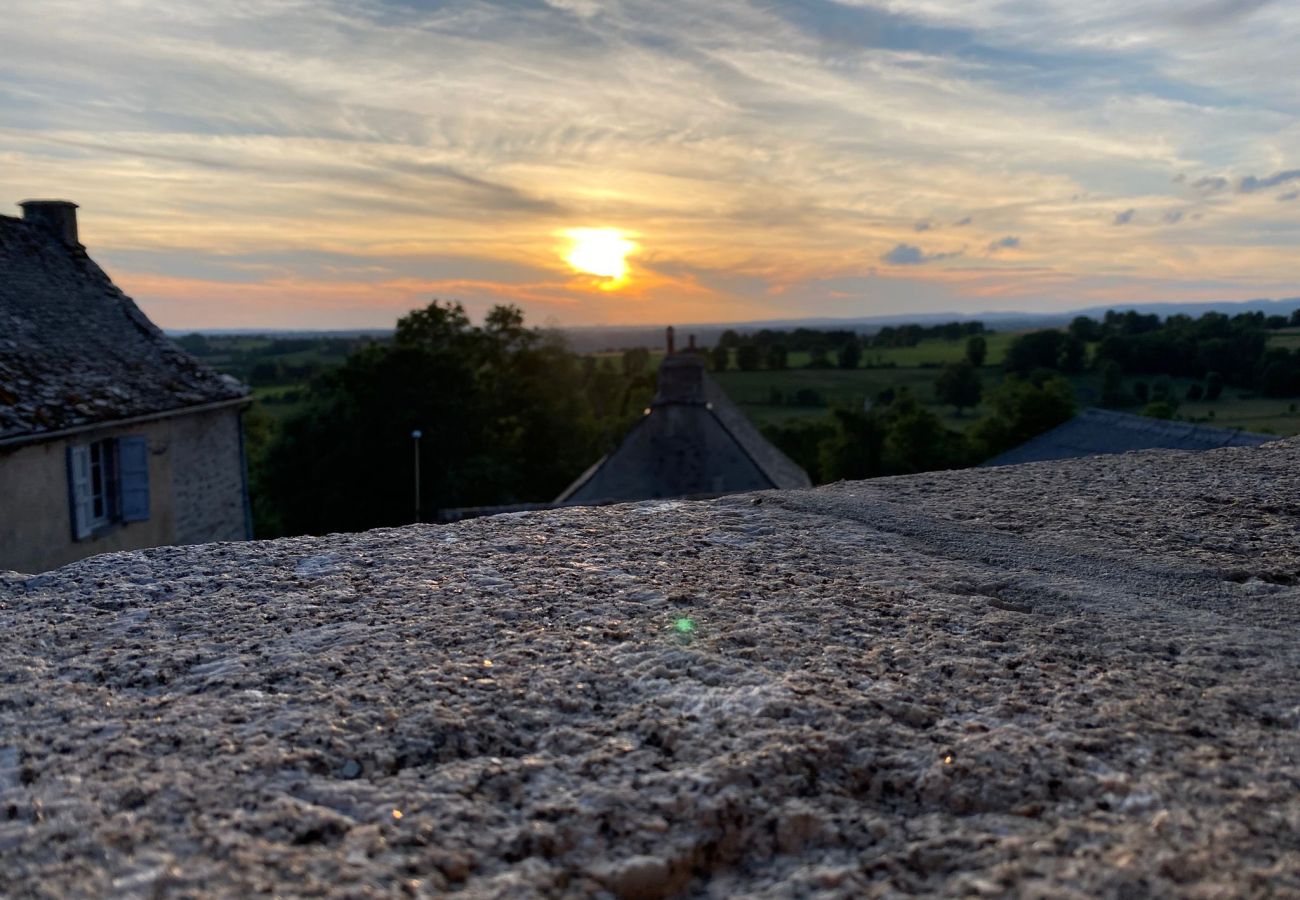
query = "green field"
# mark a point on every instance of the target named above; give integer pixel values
(775, 396)
(753, 392)
(1285, 337)
(280, 401)
(927, 354)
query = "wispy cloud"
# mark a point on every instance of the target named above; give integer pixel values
(1010, 242)
(778, 147)
(1250, 184)
(1218, 12)
(909, 255)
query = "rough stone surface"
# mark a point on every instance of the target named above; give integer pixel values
(1060, 680)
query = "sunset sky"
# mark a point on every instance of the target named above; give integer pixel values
(322, 164)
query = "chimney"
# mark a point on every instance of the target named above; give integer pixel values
(681, 380)
(690, 343)
(670, 340)
(59, 217)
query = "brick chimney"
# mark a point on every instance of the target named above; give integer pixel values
(59, 217)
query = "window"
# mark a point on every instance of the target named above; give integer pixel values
(108, 481)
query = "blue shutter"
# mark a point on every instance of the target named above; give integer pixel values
(79, 490)
(133, 477)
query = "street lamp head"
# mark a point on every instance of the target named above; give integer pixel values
(417, 434)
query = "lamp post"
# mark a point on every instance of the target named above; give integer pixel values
(415, 438)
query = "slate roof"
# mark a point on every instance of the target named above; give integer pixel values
(694, 441)
(75, 350)
(1097, 432)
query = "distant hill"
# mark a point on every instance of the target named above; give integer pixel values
(614, 337)
(590, 338)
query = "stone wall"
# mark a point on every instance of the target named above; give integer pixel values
(208, 478)
(1070, 679)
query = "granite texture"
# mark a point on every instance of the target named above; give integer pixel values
(1066, 679)
(75, 350)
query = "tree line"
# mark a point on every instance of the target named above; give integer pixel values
(508, 414)
(770, 348)
(1215, 349)
(896, 434)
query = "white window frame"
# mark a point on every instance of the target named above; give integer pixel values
(103, 496)
(102, 489)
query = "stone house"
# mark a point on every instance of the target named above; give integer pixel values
(111, 436)
(692, 442)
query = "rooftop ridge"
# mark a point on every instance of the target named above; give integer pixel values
(1105, 431)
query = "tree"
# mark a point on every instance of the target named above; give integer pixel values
(636, 361)
(1142, 391)
(747, 358)
(195, 343)
(1213, 385)
(486, 399)
(729, 339)
(1073, 351)
(916, 441)
(1112, 384)
(977, 349)
(1085, 329)
(817, 358)
(721, 357)
(959, 385)
(855, 449)
(849, 355)
(777, 358)
(1195, 391)
(1021, 409)
(1034, 350)
(437, 327)
(801, 440)
(889, 439)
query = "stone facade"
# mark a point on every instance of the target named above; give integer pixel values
(111, 436)
(210, 498)
(196, 492)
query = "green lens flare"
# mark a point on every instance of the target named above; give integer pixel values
(685, 626)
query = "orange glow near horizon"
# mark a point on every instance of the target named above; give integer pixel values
(601, 252)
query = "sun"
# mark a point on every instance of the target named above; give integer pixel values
(600, 251)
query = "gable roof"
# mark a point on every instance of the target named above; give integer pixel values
(1096, 432)
(75, 350)
(692, 441)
